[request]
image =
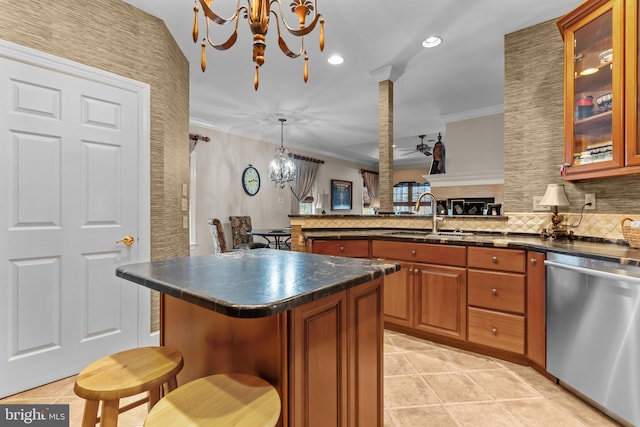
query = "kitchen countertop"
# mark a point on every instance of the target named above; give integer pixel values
(254, 283)
(613, 252)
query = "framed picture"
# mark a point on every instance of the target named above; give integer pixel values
(457, 207)
(474, 208)
(341, 195)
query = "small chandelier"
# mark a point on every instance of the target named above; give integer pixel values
(257, 15)
(282, 170)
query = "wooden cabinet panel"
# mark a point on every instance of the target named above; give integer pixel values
(497, 290)
(365, 338)
(398, 301)
(319, 363)
(496, 329)
(420, 252)
(497, 259)
(536, 314)
(348, 248)
(440, 300)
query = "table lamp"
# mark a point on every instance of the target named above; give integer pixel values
(555, 197)
(323, 202)
(375, 205)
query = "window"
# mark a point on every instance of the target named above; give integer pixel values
(405, 196)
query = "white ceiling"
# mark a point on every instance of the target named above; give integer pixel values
(336, 112)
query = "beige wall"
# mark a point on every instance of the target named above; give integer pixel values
(533, 145)
(113, 36)
(219, 193)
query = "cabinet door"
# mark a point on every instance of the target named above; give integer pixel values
(536, 315)
(632, 75)
(365, 338)
(441, 300)
(594, 94)
(398, 304)
(318, 363)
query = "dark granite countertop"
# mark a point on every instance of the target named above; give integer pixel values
(606, 251)
(254, 283)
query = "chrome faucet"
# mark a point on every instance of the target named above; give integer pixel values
(434, 210)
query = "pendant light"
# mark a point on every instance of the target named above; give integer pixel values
(282, 170)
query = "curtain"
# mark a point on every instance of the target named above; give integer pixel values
(371, 180)
(305, 177)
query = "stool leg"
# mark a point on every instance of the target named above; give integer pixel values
(110, 410)
(90, 416)
(154, 395)
(172, 383)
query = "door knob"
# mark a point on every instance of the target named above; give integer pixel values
(128, 240)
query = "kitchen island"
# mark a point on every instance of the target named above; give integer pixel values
(309, 324)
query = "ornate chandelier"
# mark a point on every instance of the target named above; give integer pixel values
(257, 15)
(282, 170)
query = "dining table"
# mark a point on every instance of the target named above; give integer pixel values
(277, 238)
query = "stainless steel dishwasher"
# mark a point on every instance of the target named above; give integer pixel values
(593, 331)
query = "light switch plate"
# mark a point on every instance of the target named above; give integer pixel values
(185, 204)
(185, 190)
(537, 207)
(185, 222)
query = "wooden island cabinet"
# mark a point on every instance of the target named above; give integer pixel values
(309, 324)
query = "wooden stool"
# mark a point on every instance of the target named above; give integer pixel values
(126, 374)
(219, 400)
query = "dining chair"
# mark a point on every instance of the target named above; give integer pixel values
(219, 241)
(240, 229)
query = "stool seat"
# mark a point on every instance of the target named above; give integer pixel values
(125, 374)
(219, 400)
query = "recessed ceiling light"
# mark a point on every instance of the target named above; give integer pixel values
(335, 60)
(432, 41)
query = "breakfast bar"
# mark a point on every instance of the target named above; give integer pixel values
(311, 325)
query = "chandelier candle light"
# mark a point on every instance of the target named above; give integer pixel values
(282, 170)
(257, 15)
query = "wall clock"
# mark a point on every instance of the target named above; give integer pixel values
(251, 180)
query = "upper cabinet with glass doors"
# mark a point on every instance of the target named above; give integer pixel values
(601, 106)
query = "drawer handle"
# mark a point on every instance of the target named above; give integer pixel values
(534, 261)
(494, 330)
(494, 291)
(341, 248)
(494, 259)
(413, 252)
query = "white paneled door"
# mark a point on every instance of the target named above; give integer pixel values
(68, 191)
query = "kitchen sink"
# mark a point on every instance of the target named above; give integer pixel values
(428, 234)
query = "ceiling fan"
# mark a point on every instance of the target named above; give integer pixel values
(422, 147)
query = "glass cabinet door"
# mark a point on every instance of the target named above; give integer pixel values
(633, 89)
(594, 137)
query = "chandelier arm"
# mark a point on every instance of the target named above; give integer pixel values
(283, 44)
(217, 18)
(228, 43)
(300, 31)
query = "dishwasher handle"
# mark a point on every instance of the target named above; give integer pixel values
(618, 275)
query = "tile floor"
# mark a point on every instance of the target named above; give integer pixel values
(426, 384)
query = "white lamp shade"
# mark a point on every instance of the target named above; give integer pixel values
(323, 201)
(555, 196)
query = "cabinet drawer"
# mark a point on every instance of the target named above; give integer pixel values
(420, 252)
(497, 290)
(348, 248)
(497, 330)
(497, 259)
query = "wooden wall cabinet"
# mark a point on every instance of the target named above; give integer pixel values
(601, 89)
